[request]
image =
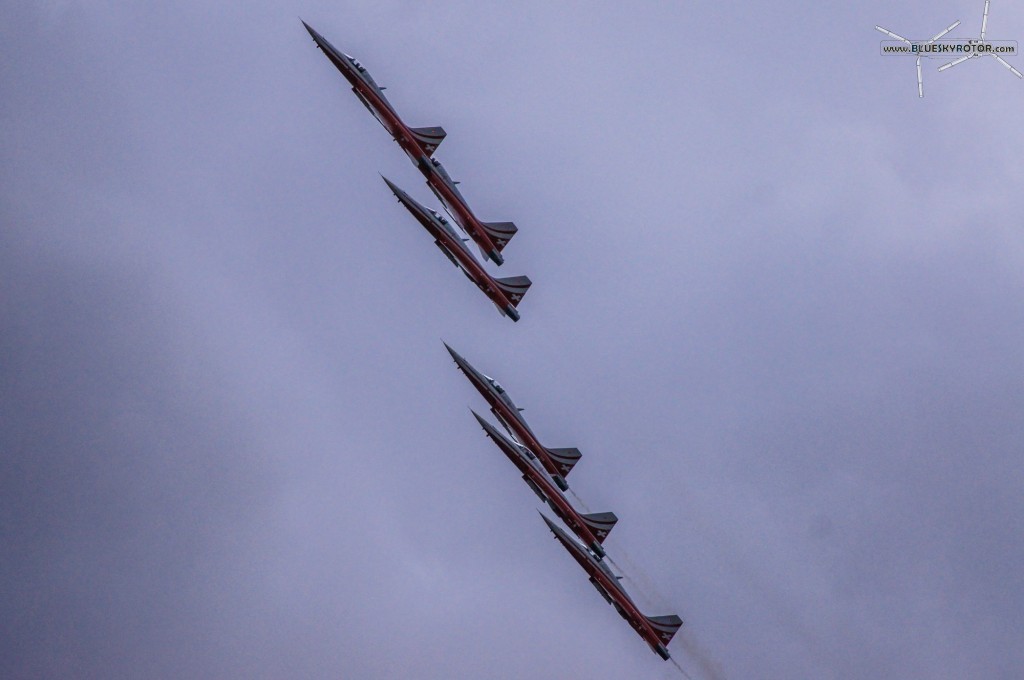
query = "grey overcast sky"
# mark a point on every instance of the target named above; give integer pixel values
(777, 304)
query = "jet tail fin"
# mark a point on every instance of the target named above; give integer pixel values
(500, 232)
(600, 523)
(429, 137)
(665, 626)
(515, 287)
(565, 458)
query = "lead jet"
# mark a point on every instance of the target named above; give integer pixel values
(657, 631)
(419, 144)
(592, 529)
(557, 462)
(504, 293)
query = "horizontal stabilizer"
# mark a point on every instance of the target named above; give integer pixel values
(429, 137)
(665, 626)
(600, 523)
(565, 459)
(500, 232)
(515, 288)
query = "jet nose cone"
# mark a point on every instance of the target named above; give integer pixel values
(398, 192)
(460, 362)
(321, 41)
(550, 524)
(483, 423)
(455, 355)
(312, 33)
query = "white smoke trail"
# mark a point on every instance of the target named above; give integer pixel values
(579, 500)
(636, 576)
(681, 669)
(639, 580)
(711, 668)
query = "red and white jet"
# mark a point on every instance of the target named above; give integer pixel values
(557, 462)
(657, 631)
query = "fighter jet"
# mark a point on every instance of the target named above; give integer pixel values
(592, 529)
(657, 631)
(491, 237)
(419, 144)
(557, 462)
(504, 293)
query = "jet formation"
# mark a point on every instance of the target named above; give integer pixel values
(540, 467)
(543, 469)
(419, 144)
(504, 293)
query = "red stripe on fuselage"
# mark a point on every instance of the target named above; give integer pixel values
(401, 132)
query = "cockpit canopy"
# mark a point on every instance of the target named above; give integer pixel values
(443, 173)
(494, 383)
(355, 62)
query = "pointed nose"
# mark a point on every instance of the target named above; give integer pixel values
(391, 185)
(483, 423)
(455, 355)
(313, 34)
(461, 362)
(550, 524)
